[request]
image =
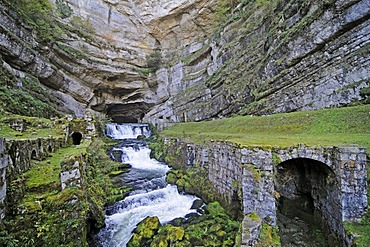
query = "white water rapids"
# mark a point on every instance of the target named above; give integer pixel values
(151, 196)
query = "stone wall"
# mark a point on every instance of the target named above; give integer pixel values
(251, 172)
(15, 159)
(16, 156)
(73, 172)
(3, 166)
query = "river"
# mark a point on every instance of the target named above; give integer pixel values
(151, 195)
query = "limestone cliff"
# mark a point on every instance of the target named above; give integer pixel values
(264, 57)
(272, 56)
(99, 61)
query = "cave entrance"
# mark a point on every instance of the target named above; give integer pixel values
(76, 138)
(305, 198)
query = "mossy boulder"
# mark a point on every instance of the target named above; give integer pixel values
(171, 178)
(213, 228)
(215, 209)
(144, 232)
(167, 235)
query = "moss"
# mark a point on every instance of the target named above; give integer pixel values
(171, 178)
(268, 236)
(256, 172)
(29, 99)
(38, 14)
(149, 223)
(254, 216)
(72, 51)
(156, 148)
(275, 158)
(117, 173)
(144, 232)
(215, 209)
(213, 228)
(49, 216)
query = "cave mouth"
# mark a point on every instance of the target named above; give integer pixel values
(305, 190)
(76, 138)
(124, 119)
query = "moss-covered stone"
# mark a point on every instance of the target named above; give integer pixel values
(268, 236)
(144, 232)
(213, 228)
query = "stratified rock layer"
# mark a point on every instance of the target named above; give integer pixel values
(267, 57)
(276, 57)
(100, 61)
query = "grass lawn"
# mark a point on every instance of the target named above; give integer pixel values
(328, 127)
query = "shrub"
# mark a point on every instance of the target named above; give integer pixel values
(154, 60)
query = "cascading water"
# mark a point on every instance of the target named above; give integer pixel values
(151, 196)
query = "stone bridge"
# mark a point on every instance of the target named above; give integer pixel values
(331, 179)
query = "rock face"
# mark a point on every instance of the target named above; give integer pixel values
(100, 61)
(268, 57)
(275, 57)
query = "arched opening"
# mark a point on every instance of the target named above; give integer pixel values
(33, 155)
(305, 198)
(76, 138)
(50, 149)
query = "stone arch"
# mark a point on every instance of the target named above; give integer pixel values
(308, 189)
(33, 155)
(76, 138)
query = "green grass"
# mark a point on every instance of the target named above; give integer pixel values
(35, 127)
(47, 172)
(329, 127)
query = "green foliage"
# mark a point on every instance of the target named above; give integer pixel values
(224, 10)
(268, 236)
(38, 14)
(47, 216)
(254, 216)
(156, 148)
(365, 93)
(33, 127)
(213, 228)
(337, 126)
(73, 52)
(28, 98)
(63, 8)
(154, 60)
(144, 232)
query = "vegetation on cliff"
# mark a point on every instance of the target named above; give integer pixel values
(25, 96)
(38, 14)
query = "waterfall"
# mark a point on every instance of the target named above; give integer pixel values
(151, 196)
(124, 131)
